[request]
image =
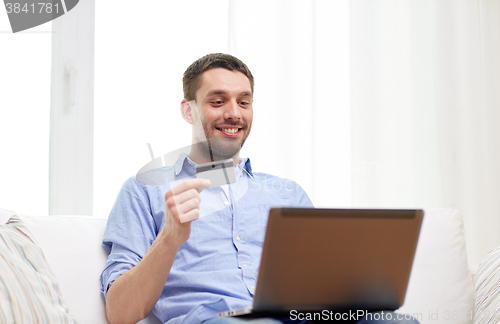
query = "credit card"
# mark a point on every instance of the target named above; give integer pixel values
(219, 172)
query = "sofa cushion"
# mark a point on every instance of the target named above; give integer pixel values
(440, 288)
(73, 247)
(487, 288)
(29, 291)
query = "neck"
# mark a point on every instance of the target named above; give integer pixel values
(199, 157)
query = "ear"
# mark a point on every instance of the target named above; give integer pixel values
(186, 111)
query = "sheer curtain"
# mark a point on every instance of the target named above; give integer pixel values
(387, 103)
(426, 110)
(299, 54)
(288, 45)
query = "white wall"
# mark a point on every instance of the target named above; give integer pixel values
(24, 117)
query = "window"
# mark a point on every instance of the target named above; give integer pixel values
(138, 83)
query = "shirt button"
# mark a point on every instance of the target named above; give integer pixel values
(237, 238)
(253, 287)
(245, 265)
(226, 203)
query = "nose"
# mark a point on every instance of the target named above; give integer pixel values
(232, 111)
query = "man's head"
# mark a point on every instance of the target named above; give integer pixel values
(222, 86)
(191, 80)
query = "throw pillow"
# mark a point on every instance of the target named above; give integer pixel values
(487, 289)
(29, 292)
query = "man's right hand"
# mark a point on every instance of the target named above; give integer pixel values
(133, 295)
(182, 205)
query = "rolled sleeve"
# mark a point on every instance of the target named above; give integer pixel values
(129, 233)
(118, 263)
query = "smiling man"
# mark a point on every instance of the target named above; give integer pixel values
(187, 272)
(225, 100)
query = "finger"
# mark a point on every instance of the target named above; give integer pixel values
(207, 183)
(189, 216)
(197, 183)
(170, 205)
(174, 218)
(188, 206)
(179, 220)
(186, 195)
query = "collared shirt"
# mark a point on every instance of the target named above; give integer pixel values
(216, 268)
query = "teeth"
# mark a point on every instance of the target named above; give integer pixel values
(230, 130)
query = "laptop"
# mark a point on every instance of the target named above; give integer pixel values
(334, 259)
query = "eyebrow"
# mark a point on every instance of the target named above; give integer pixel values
(223, 92)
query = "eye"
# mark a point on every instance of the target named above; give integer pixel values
(217, 102)
(244, 103)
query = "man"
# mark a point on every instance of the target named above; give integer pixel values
(167, 259)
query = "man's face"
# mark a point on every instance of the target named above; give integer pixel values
(224, 101)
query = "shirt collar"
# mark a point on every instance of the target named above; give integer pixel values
(184, 158)
(248, 167)
(178, 166)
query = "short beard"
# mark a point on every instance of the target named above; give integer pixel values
(217, 149)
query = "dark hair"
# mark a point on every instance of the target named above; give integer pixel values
(191, 80)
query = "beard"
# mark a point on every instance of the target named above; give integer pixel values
(220, 148)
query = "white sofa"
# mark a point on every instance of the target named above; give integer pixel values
(440, 290)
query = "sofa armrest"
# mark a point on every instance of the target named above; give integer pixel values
(441, 287)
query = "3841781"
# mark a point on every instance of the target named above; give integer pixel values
(39, 7)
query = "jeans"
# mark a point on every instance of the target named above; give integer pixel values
(384, 317)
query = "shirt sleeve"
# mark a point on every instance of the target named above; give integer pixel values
(129, 232)
(301, 198)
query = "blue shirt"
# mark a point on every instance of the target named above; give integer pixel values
(216, 268)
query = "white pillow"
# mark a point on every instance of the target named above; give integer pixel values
(5, 214)
(441, 288)
(29, 292)
(488, 288)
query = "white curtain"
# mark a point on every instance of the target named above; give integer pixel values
(383, 103)
(426, 110)
(298, 52)
(301, 126)
(386, 103)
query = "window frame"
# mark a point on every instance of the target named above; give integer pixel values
(72, 112)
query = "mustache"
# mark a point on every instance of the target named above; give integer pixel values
(230, 123)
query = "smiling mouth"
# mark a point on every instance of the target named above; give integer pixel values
(229, 131)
